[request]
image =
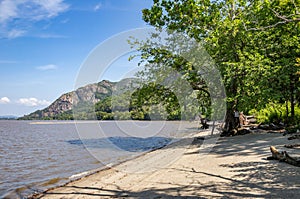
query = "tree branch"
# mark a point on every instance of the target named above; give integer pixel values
(284, 20)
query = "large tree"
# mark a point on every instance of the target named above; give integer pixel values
(277, 22)
(247, 40)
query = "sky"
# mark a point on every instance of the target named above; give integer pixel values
(43, 43)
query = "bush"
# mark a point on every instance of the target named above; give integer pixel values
(122, 115)
(276, 113)
(137, 114)
(104, 116)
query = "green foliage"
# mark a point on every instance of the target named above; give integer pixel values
(255, 45)
(83, 111)
(104, 105)
(154, 102)
(104, 115)
(275, 113)
(122, 115)
(293, 129)
(151, 101)
(137, 114)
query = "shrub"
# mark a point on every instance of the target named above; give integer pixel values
(275, 113)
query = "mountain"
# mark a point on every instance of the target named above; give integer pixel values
(127, 99)
(81, 99)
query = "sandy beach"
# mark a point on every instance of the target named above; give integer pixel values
(235, 167)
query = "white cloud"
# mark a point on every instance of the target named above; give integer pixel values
(4, 100)
(15, 33)
(97, 7)
(47, 67)
(33, 102)
(51, 7)
(8, 10)
(26, 12)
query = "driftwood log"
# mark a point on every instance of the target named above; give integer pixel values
(297, 136)
(235, 132)
(283, 157)
(292, 146)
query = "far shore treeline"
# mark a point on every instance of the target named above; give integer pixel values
(148, 102)
(254, 44)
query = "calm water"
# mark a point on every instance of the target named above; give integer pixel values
(35, 156)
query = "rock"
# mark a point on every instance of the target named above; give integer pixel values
(89, 94)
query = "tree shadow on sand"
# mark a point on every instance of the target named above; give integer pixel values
(274, 179)
(130, 144)
(253, 185)
(250, 179)
(138, 144)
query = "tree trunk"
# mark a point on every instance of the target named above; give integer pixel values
(231, 122)
(287, 111)
(292, 88)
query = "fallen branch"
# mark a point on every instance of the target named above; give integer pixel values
(294, 137)
(291, 146)
(235, 132)
(283, 157)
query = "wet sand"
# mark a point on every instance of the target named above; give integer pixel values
(235, 167)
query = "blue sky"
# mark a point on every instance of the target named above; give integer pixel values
(44, 42)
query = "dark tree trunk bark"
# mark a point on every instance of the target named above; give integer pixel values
(231, 122)
(287, 111)
(292, 88)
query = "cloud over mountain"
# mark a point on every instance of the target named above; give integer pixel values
(4, 100)
(33, 102)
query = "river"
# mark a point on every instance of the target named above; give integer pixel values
(37, 155)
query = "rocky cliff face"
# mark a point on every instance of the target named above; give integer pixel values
(83, 97)
(90, 94)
